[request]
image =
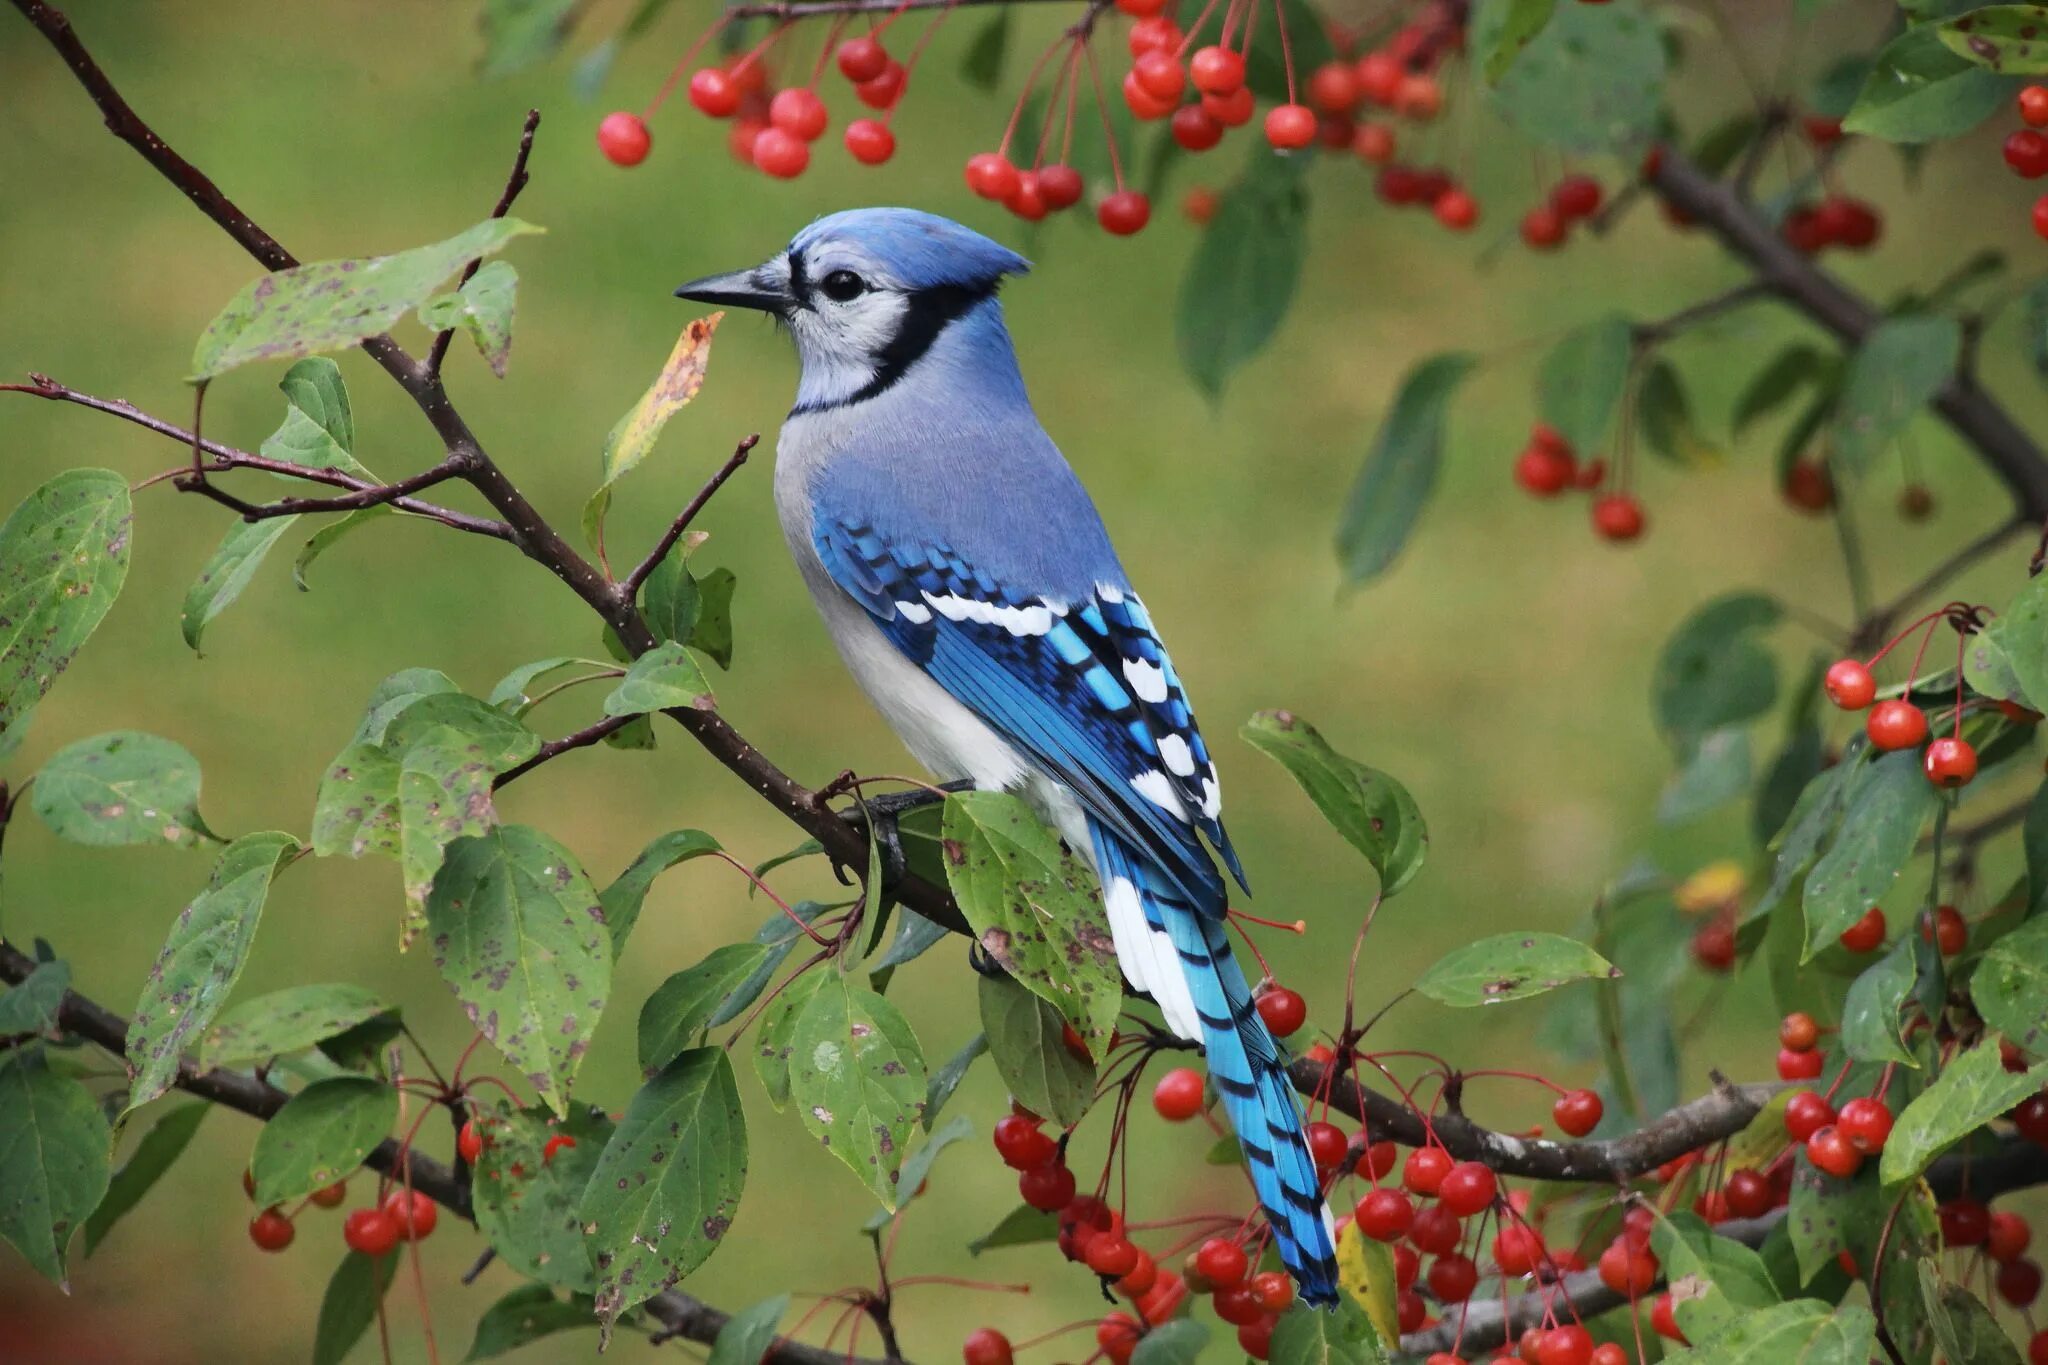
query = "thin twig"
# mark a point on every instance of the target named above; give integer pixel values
(1653, 333)
(1875, 628)
(514, 183)
(629, 586)
(580, 739)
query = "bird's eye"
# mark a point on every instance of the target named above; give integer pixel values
(842, 285)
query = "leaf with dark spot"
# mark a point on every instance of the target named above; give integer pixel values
(857, 1077)
(63, 558)
(126, 787)
(1511, 967)
(54, 1146)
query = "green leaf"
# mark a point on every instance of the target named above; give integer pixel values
(1963, 1327)
(1871, 1028)
(1666, 418)
(982, 66)
(525, 1316)
(1314, 1336)
(1178, 1342)
(1920, 91)
(1689, 1250)
(1373, 812)
(522, 33)
(665, 676)
(1035, 908)
(286, 1021)
(1792, 369)
(350, 1304)
(857, 1078)
(947, 1078)
(1026, 1040)
(666, 1189)
(670, 600)
(320, 1136)
(483, 309)
(1590, 80)
(200, 960)
(2006, 39)
(54, 1148)
(1713, 672)
(747, 1334)
(1971, 1090)
(233, 564)
(32, 1006)
(2010, 985)
(1802, 1332)
(502, 740)
(1511, 967)
(328, 305)
(1400, 471)
(512, 691)
(126, 787)
(919, 1167)
(1521, 21)
(1887, 802)
(1242, 277)
(356, 810)
(160, 1147)
(323, 539)
(1021, 1226)
(778, 1034)
(1580, 384)
(319, 429)
(519, 936)
(683, 1006)
(527, 1200)
(1717, 772)
(444, 794)
(395, 695)
(2023, 633)
(63, 558)
(624, 897)
(633, 437)
(713, 632)
(915, 935)
(1897, 370)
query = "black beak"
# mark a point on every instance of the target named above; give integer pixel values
(738, 289)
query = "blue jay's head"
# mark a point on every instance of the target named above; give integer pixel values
(866, 293)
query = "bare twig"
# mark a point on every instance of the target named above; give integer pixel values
(580, 739)
(1653, 333)
(1874, 629)
(514, 183)
(629, 586)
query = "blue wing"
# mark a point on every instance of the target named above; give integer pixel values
(1084, 687)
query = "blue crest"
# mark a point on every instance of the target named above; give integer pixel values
(921, 249)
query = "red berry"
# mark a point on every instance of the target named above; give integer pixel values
(1456, 210)
(371, 1231)
(1866, 1122)
(863, 59)
(1290, 127)
(1799, 1066)
(2033, 105)
(1410, 1312)
(1853, 223)
(1384, 1214)
(1378, 1160)
(1713, 947)
(1425, 1169)
(870, 141)
(1333, 88)
(1964, 1222)
(1374, 143)
(1143, 102)
(1407, 1267)
(624, 139)
(1283, 1010)
(1124, 212)
(1829, 1151)
(2019, 1282)
(2037, 1348)
(1663, 1321)
(1808, 486)
(984, 1345)
(2031, 1118)
(1542, 229)
(1544, 471)
(1518, 1249)
(884, 90)
(1237, 1305)
(1178, 1096)
(1748, 1194)
(1849, 684)
(1951, 761)
(1821, 130)
(1610, 1353)
(271, 1230)
(1452, 1278)
(2006, 1236)
(1161, 74)
(781, 153)
(1572, 1345)
(469, 1143)
(1896, 724)
(1195, 128)
(1138, 1281)
(1419, 97)
(1233, 110)
(1806, 1114)
(330, 1196)
(1156, 33)
(1060, 187)
(1576, 1112)
(1222, 1262)
(990, 175)
(1111, 1254)
(1949, 932)
(1163, 1300)
(1046, 1188)
(1626, 1270)
(2026, 151)
(1027, 203)
(1326, 1146)
(714, 92)
(1255, 1339)
(1118, 1335)
(1022, 1144)
(1617, 517)
(1467, 1188)
(414, 1214)
(1275, 1290)
(799, 112)
(2041, 230)
(1798, 1032)
(1866, 934)
(1576, 196)
(1437, 1230)
(1216, 70)
(740, 141)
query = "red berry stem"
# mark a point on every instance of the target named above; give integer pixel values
(1116, 161)
(825, 51)
(685, 66)
(1024, 92)
(1286, 50)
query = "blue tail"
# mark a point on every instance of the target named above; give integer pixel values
(1182, 958)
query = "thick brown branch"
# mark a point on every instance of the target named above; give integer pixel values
(680, 1314)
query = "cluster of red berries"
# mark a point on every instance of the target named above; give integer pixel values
(1548, 466)
(1834, 221)
(1572, 200)
(402, 1216)
(1896, 723)
(272, 1229)
(2026, 150)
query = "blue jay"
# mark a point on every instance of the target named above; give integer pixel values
(969, 585)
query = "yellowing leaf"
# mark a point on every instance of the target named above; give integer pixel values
(636, 432)
(1365, 1271)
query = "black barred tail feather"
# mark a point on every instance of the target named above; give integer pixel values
(1182, 958)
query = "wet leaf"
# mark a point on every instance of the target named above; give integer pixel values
(320, 1136)
(668, 1185)
(519, 936)
(633, 438)
(54, 1150)
(286, 1021)
(63, 558)
(1511, 967)
(1370, 809)
(857, 1079)
(126, 787)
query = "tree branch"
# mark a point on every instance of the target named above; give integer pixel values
(629, 586)
(679, 1313)
(514, 183)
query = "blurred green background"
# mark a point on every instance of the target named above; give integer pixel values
(1501, 670)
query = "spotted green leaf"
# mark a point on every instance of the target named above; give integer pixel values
(200, 960)
(633, 438)
(54, 1159)
(1919, 90)
(684, 1005)
(857, 1079)
(126, 787)
(519, 936)
(1872, 1030)
(1373, 812)
(356, 810)
(1178, 1342)
(663, 677)
(286, 1021)
(1316, 1336)
(2010, 40)
(526, 1198)
(1963, 1327)
(668, 1184)
(1971, 1090)
(1802, 1332)
(320, 1136)
(777, 1039)
(393, 696)
(63, 558)
(444, 794)
(158, 1150)
(482, 308)
(2010, 985)
(328, 305)
(1027, 1043)
(1511, 967)
(2023, 633)
(1589, 78)
(1887, 802)
(1035, 908)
